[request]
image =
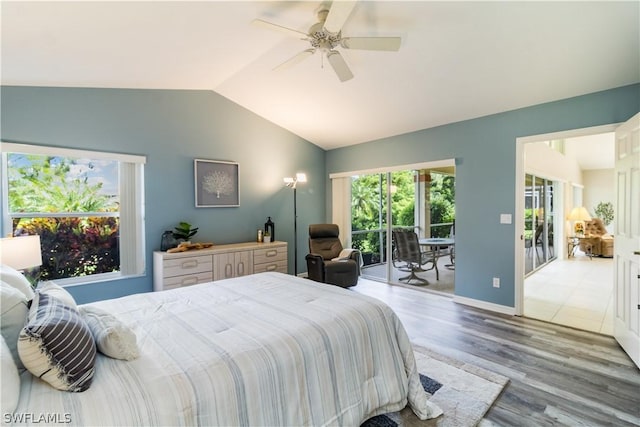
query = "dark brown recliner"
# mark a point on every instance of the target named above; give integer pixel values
(327, 262)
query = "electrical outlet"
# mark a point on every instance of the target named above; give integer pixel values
(496, 282)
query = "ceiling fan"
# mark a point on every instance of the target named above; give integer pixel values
(326, 35)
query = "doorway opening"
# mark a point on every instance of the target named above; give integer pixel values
(558, 279)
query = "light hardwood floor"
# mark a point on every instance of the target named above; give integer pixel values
(558, 375)
(576, 292)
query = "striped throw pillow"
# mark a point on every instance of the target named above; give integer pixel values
(56, 344)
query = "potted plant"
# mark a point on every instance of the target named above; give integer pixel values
(604, 211)
(184, 231)
(266, 238)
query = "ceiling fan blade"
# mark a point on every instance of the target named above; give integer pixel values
(371, 43)
(339, 65)
(338, 15)
(295, 59)
(285, 30)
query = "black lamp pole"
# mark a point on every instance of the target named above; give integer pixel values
(293, 183)
(295, 232)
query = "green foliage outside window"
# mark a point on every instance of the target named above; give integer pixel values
(71, 246)
(443, 207)
(47, 184)
(368, 208)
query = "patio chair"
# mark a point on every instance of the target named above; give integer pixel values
(452, 248)
(408, 252)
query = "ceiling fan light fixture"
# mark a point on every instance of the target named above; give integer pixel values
(326, 35)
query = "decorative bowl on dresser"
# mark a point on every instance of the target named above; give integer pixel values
(174, 270)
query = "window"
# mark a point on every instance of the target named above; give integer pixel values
(87, 207)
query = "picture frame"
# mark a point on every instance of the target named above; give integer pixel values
(217, 183)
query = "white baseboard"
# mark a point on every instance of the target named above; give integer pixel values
(485, 305)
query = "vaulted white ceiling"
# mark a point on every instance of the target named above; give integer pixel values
(457, 60)
(592, 151)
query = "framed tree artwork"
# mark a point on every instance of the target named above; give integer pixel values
(217, 184)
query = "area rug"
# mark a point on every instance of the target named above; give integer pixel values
(463, 391)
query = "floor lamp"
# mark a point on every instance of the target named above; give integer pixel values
(293, 183)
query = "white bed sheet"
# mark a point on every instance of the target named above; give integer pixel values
(266, 349)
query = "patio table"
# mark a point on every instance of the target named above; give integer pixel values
(437, 244)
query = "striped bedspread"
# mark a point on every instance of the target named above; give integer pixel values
(267, 349)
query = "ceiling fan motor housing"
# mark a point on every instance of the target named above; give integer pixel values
(320, 38)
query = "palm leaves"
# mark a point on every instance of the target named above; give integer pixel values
(54, 184)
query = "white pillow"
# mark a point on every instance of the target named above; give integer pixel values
(16, 279)
(13, 315)
(50, 288)
(56, 344)
(10, 380)
(113, 338)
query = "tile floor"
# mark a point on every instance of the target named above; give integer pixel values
(577, 292)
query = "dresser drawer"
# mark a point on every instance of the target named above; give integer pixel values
(187, 280)
(187, 266)
(269, 255)
(279, 266)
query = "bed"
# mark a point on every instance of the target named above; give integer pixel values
(266, 349)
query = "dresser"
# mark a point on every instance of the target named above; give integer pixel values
(174, 270)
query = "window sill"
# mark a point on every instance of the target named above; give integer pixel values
(98, 278)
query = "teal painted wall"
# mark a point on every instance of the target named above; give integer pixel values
(172, 128)
(485, 150)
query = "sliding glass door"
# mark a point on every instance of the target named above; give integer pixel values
(369, 219)
(372, 220)
(420, 200)
(540, 239)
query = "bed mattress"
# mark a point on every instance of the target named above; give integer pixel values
(266, 349)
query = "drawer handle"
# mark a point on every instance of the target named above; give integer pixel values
(228, 270)
(189, 281)
(241, 269)
(271, 253)
(272, 267)
(190, 264)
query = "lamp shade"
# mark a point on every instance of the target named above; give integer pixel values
(20, 252)
(579, 214)
(293, 182)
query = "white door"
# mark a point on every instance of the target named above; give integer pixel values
(627, 239)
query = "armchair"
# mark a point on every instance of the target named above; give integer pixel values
(599, 242)
(327, 261)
